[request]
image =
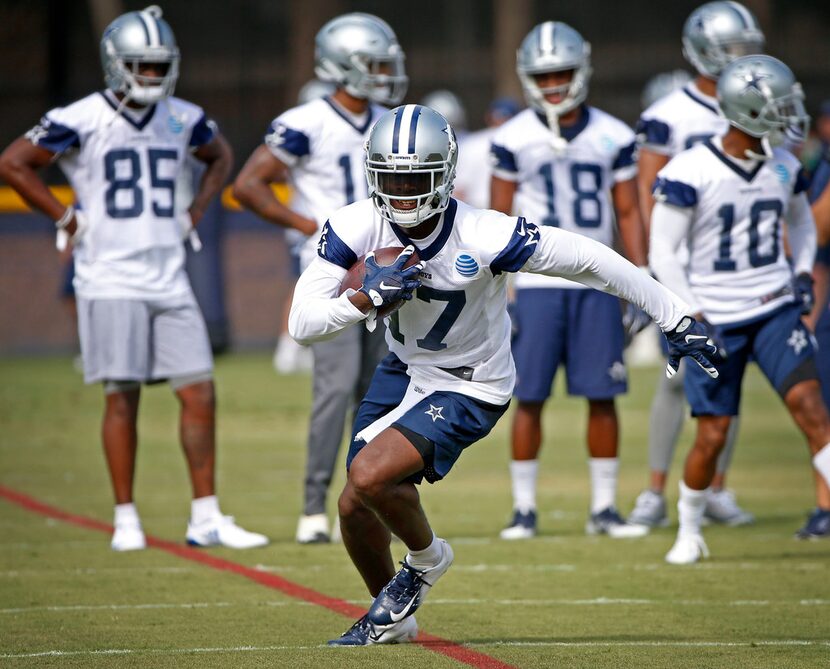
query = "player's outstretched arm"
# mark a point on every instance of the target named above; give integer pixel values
(218, 156)
(252, 187)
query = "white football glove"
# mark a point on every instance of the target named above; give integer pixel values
(189, 231)
(63, 238)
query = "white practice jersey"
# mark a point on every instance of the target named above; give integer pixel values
(322, 144)
(571, 189)
(458, 316)
(737, 269)
(123, 168)
(680, 120)
(474, 169)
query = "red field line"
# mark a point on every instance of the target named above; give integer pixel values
(430, 642)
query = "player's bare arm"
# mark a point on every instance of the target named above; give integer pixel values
(648, 164)
(252, 188)
(501, 195)
(629, 221)
(19, 165)
(218, 156)
(821, 213)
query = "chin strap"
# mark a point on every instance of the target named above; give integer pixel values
(765, 147)
(559, 143)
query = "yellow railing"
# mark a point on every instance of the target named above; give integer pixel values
(11, 202)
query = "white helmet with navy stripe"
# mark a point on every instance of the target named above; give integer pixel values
(360, 52)
(411, 155)
(718, 32)
(134, 38)
(554, 46)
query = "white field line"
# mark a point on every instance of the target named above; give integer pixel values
(598, 601)
(520, 644)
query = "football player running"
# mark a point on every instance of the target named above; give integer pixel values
(122, 151)
(319, 145)
(714, 34)
(726, 199)
(449, 375)
(571, 166)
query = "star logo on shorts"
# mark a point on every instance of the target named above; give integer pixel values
(798, 340)
(434, 413)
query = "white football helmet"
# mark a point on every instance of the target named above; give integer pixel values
(411, 155)
(760, 96)
(361, 53)
(134, 38)
(718, 32)
(554, 46)
(449, 105)
(660, 85)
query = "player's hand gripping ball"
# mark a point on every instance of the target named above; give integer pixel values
(388, 276)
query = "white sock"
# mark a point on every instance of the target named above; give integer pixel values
(428, 557)
(126, 514)
(690, 509)
(603, 482)
(204, 509)
(821, 461)
(523, 474)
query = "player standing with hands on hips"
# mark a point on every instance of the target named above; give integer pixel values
(449, 376)
(122, 150)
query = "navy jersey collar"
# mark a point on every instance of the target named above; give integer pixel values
(141, 123)
(433, 249)
(703, 103)
(731, 164)
(361, 129)
(570, 132)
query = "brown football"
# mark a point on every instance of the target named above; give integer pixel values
(383, 257)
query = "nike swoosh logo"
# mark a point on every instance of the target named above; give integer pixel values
(396, 617)
(384, 286)
(690, 338)
(521, 230)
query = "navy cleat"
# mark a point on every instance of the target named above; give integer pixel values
(522, 526)
(817, 525)
(610, 522)
(364, 633)
(402, 596)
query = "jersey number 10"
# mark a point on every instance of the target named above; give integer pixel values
(724, 261)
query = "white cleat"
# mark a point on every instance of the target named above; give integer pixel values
(722, 507)
(649, 510)
(128, 537)
(687, 549)
(313, 529)
(223, 531)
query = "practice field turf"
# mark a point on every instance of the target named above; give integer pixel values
(564, 599)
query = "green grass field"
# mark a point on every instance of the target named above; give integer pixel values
(564, 599)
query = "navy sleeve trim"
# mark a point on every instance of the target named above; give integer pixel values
(335, 250)
(53, 136)
(503, 159)
(651, 131)
(674, 192)
(285, 139)
(802, 182)
(203, 132)
(520, 247)
(625, 157)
